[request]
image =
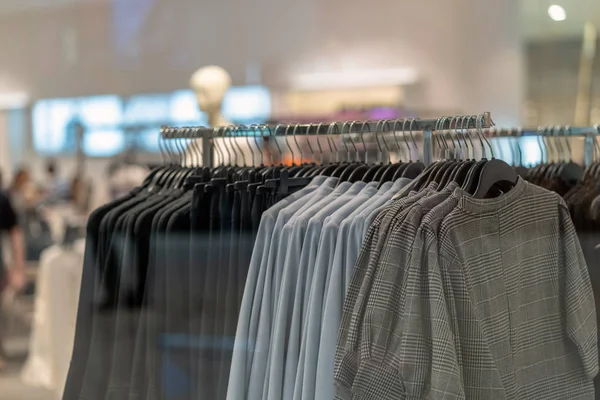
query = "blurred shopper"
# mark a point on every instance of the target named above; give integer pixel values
(13, 277)
(23, 192)
(55, 189)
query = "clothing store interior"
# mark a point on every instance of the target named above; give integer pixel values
(293, 200)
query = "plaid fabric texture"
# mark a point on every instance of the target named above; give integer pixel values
(357, 294)
(494, 302)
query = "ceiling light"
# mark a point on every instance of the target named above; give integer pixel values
(557, 13)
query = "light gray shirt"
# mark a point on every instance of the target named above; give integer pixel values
(335, 293)
(285, 241)
(248, 321)
(305, 377)
(298, 267)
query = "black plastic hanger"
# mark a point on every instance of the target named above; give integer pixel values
(493, 172)
(355, 175)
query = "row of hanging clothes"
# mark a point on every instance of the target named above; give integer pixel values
(347, 279)
(577, 182)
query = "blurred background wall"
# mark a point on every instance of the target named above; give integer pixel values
(428, 57)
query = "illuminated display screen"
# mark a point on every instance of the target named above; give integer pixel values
(103, 119)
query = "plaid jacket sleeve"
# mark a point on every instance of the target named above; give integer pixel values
(359, 292)
(579, 302)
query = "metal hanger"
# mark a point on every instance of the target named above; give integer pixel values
(596, 168)
(373, 171)
(453, 169)
(332, 167)
(294, 168)
(522, 171)
(494, 172)
(444, 174)
(427, 175)
(461, 172)
(322, 165)
(570, 171)
(308, 167)
(155, 176)
(412, 169)
(359, 172)
(337, 173)
(391, 169)
(432, 173)
(346, 170)
(473, 177)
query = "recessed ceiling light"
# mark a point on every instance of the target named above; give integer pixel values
(557, 13)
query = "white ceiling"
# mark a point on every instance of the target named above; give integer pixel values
(537, 25)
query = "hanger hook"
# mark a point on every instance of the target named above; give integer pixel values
(442, 146)
(567, 138)
(558, 143)
(344, 124)
(168, 146)
(244, 128)
(413, 122)
(296, 141)
(547, 142)
(539, 139)
(217, 146)
(362, 139)
(273, 134)
(385, 128)
(247, 137)
(186, 147)
(286, 140)
(229, 147)
(285, 134)
(350, 129)
(252, 128)
(173, 146)
(449, 133)
(258, 132)
(498, 145)
(480, 121)
(519, 134)
(163, 131)
(199, 150)
(467, 133)
(379, 148)
(394, 132)
(263, 128)
(229, 132)
(319, 142)
(330, 137)
(551, 144)
(310, 147)
(456, 135)
(406, 141)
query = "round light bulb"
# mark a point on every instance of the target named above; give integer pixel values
(557, 13)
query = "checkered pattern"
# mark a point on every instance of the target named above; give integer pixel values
(361, 283)
(492, 301)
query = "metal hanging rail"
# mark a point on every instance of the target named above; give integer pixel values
(550, 131)
(589, 133)
(426, 127)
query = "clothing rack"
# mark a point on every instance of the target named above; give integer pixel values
(589, 133)
(426, 126)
